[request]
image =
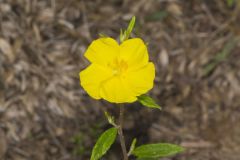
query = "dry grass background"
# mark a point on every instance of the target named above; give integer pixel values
(46, 115)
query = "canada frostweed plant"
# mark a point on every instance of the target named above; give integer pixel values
(121, 73)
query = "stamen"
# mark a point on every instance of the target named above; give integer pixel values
(118, 67)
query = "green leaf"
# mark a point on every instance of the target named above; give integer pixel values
(148, 101)
(133, 145)
(122, 36)
(125, 34)
(103, 144)
(130, 27)
(157, 150)
(110, 119)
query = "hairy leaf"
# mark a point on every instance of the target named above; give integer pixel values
(148, 101)
(103, 144)
(157, 150)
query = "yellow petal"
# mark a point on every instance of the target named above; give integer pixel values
(92, 77)
(134, 52)
(102, 51)
(114, 90)
(141, 81)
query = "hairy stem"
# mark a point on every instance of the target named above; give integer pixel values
(120, 132)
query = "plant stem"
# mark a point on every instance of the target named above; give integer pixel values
(120, 132)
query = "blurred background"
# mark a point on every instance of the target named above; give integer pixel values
(46, 115)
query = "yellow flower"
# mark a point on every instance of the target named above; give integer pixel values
(117, 73)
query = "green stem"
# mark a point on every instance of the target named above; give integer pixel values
(120, 132)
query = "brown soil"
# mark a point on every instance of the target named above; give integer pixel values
(46, 115)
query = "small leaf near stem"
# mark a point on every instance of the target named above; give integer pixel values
(110, 119)
(148, 101)
(125, 34)
(104, 143)
(130, 27)
(122, 35)
(133, 145)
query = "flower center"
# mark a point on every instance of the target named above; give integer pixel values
(118, 67)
